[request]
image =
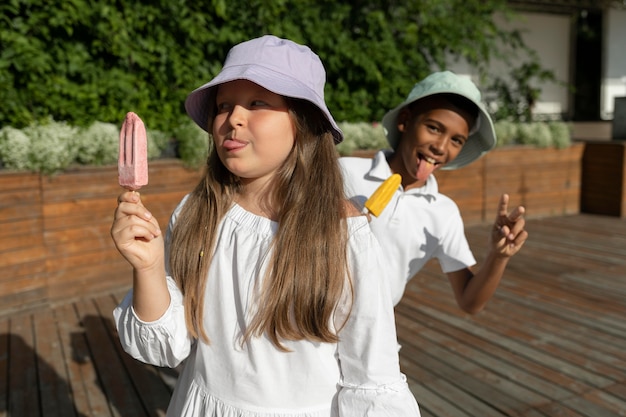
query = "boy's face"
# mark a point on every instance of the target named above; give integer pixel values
(433, 132)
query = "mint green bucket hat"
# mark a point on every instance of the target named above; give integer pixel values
(482, 137)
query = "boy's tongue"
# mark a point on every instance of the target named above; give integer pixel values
(424, 169)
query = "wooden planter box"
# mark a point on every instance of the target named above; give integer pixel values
(545, 181)
(55, 242)
(604, 178)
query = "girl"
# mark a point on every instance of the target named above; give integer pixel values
(271, 291)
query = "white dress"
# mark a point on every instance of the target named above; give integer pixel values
(358, 376)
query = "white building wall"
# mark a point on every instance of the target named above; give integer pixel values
(549, 36)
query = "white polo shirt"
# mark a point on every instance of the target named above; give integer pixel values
(417, 225)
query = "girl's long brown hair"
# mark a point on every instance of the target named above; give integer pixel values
(308, 271)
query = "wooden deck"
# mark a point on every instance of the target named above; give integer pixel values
(552, 342)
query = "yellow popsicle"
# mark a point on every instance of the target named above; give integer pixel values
(381, 197)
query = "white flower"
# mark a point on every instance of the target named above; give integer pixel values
(14, 149)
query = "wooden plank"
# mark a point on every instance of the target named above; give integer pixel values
(55, 393)
(23, 304)
(23, 388)
(468, 199)
(463, 374)
(68, 261)
(559, 344)
(431, 403)
(595, 343)
(89, 280)
(69, 214)
(89, 397)
(22, 277)
(23, 301)
(496, 366)
(547, 183)
(81, 184)
(116, 383)
(76, 240)
(443, 341)
(436, 395)
(517, 345)
(21, 234)
(570, 308)
(5, 337)
(15, 181)
(22, 284)
(22, 256)
(14, 212)
(22, 292)
(605, 403)
(507, 364)
(97, 214)
(552, 192)
(20, 197)
(19, 227)
(618, 390)
(153, 391)
(88, 182)
(532, 312)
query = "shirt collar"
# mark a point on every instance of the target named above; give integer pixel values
(380, 170)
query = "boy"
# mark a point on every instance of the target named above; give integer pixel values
(442, 123)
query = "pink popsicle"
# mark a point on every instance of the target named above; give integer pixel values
(132, 163)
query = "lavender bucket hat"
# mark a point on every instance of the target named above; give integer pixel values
(278, 65)
(482, 136)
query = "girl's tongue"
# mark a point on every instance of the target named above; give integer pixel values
(424, 169)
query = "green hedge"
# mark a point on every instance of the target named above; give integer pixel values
(55, 146)
(82, 61)
(541, 134)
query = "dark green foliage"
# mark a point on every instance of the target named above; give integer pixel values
(81, 61)
(84, 60)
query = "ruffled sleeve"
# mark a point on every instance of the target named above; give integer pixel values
(372, 384)
(164, 342)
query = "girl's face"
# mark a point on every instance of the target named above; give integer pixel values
(253, 130)
(433, 134)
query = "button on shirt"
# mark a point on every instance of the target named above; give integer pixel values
(417, 225)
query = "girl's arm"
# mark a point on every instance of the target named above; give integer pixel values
(151, 318)
(138, 238)
(163, 342)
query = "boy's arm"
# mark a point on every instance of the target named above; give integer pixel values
(473, 290)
